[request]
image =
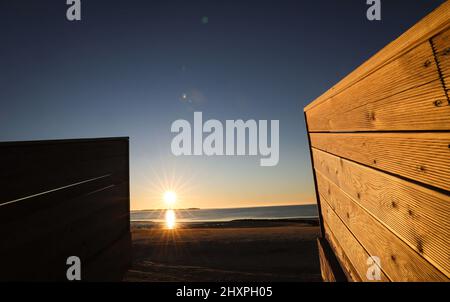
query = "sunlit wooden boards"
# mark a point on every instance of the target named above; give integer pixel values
(406, 94)
(429, 27)
(423, 157)
(331, 270)
(441, 45)
(409, 222)
(380, 146)
(64, 198)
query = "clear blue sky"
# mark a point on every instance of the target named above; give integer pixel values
(122, 70)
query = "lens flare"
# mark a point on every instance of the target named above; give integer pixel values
(170, 219)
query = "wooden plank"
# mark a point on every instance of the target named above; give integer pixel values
(40, 203)
(19, 157)
(398, 261)
(316, 191)
(90, 236)
(85, 238)
(46, 259)
(326, 267)
(112, 260)
(411, 110)
(346, 265)
(26, 228)
(39, 182)
(423, 157)
(419, 216)
(330, 267)
(441, 45)
(30, 168)
(356, 254)
(82, 219)
(428, 27)
(400, 96)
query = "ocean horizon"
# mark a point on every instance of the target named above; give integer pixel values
(229, 214)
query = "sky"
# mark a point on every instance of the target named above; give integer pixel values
(131, 68)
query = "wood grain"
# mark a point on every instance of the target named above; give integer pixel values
(345, 263)
(83, 219)
(428, 27)
(410, 110)
(400, 96)
(423, 157)
(441, 45)
(35, 167)
(49, 219)
(95, 268)
(325, 265)
(380, 142)
(398, 260)
(419, 216)
(349, 244)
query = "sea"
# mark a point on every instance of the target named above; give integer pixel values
(230, 214)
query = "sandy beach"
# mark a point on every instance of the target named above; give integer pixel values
(283, 250)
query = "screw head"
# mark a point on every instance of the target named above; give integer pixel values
(438, 103)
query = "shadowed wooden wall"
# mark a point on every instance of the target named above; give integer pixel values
(380, 147)
(60, 199)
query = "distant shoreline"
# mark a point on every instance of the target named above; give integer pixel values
(231, 208)
(237, 223)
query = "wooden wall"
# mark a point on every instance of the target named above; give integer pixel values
(380, 147)
(60, 199)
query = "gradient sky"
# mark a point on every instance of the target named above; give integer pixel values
(123, 69)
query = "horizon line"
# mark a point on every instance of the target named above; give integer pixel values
(245, 207)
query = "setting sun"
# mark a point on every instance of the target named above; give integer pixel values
(170, 198)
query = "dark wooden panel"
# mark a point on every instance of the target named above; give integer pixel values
(108, 260)
(31, 168)
(45, 258)
(88, 219)
(29, 206)
(61, 215)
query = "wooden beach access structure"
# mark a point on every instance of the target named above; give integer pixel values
(60, 199)
(380, 148)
